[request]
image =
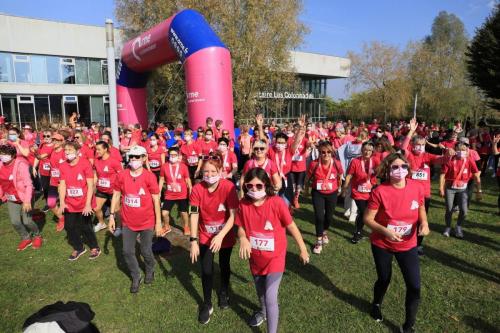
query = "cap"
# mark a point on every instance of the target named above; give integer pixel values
(58, 137)
(27, 127)
(464, 140)
(137, 151)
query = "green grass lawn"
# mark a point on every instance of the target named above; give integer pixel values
(460, 282)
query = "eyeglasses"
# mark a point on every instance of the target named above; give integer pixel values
(403, 166)
(210, 157)
(256, 186)
(47, 136)
(134, 157)
(259, 149)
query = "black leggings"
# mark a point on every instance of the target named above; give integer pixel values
(498, 200)
(361, 204)
(409, 264)
(324, 207)
(207, 271)
(427, 203)
(45, 183)
(79, 229)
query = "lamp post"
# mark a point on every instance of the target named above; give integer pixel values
(110, 52)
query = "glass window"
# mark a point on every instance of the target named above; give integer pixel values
(38, 69)
(42, 111)
(70, 104)
(95, 72)
(97, 109)
(56, 109)
(84, 109)
(107, 120)
(9, 106)
(26, 110)
(6, 74)
(53, 70)
(68, 70)
(82, 71)
(22, 68)
(104, 70)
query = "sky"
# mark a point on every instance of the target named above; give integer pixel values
(336, 27)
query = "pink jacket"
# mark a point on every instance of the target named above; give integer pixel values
(22, 180)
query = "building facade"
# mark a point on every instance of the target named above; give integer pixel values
(48, 70)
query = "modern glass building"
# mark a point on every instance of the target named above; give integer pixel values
(48, 70)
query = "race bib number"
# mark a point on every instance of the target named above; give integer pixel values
(401, 229)
(154, 164)
(55, 173)
(46, 166)
(320, 186)
(75, 192)
(174, 187)
(11, 197)
(104, 182)
(365, 188)
(192, 159)
(459, 185)
(262, 242)
(419, 175)
(132, 201)
(297, 158)
(214, 227)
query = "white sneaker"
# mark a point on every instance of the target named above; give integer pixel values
(446, 232)
(100, 226)
(352, 218)
(347, 212)
(318, 247)
(325, 239)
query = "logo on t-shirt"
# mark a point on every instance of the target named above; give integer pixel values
(414, 205)
(268, 226)
(11, 177)
(80, 177)
(61, 161)
(142, 192)
(221, 208)
(105, 169)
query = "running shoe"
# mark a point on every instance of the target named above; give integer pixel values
(325, 239)
(420, 250)
(24, 244)
(37, 242)
(296, 204)
(446, 232)
(100, 226)
(134, 287)
(223, 300)
(376, 313)
(76, 254)
(318, 247)
(257, 319)
(356, 237)
(166, 230)
(402, 329)
(45, 209)
(458, 232)
(60, 224)
(205, 313)
(94, 253)
(150, 277)
(118, 232)
(187, 231)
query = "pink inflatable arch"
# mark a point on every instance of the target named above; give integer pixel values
(188, 38)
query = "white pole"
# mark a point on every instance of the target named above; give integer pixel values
(110, 51)
(415, 106)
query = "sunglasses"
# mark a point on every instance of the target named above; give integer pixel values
(47, 136)
(258, 187)
(403, 166)
(134, 157)
(210, 157)
(225, 133)
(325, 152)
(259, 149)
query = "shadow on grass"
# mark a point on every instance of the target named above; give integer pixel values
(117, 244)
(479, 325)
(461, 265)
(316, 277)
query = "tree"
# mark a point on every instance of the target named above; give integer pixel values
(483, 63)
(258, 33)
(382, 69)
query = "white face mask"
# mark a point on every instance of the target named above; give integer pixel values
(70, 157)
(281, 146)
(257, 194)
(153, 142)
(187, 137)
(379, 135)
(135, 164)
(5, 158)
(461, 154)
(211, 180)
(208, 137)
(173, 159)
(222, 148)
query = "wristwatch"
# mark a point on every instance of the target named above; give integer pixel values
(193, 239)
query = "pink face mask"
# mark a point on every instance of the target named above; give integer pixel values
(135, 164)
(419, 149)
(211, 180)
(399, 174)
(257, 194)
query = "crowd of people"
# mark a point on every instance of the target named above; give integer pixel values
(246, 188)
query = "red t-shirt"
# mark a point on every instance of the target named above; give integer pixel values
(115, 153)
(229, 160)
(299, 156)
(175, 176)
(484, 146)
(265, 228)
(86, 152)
(44, 164)
(75, 177)
(106, 171)
(214, 210)
(361, 183)
(268, 166)
(421, 170)
(56, 159)
(154, 157)
(449, 144)
(325, 177)
(397, 209)
(137, 210)
(283, 160)
(455, 170)
(207, 147)
(7, 183)
(191, 153)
